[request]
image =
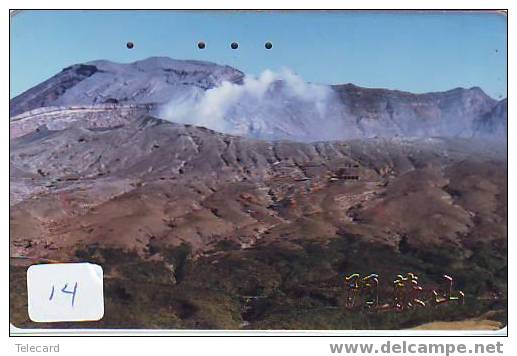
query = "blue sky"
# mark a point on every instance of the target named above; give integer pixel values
(417, 52)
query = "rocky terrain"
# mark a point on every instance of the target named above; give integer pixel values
(200, 229)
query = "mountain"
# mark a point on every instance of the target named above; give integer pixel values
(494, 122)
(271, 107)
(390, 112)
(210, 230)
(153, 80)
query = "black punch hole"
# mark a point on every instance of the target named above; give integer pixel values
(130, 45)
(234, 45)
(268, 45)
(201, 45)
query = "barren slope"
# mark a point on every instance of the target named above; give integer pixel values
(187, 222)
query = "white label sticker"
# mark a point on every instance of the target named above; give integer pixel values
(65, 292)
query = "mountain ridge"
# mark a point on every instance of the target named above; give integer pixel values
(291, 111)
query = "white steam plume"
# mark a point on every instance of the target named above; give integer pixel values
(270, 106)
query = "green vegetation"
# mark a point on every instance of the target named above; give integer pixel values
(295, 284)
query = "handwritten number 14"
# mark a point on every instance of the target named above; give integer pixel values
(65, 291)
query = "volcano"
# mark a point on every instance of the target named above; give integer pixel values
(272, 107)
(251, 221)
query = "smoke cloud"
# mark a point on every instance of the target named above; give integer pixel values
(271, 106)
